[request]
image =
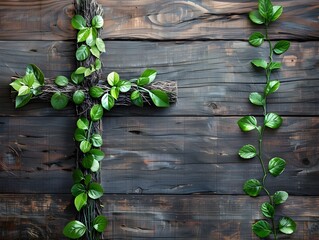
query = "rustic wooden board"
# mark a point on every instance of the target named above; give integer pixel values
(214, 78)
(181, 155)
(160, 20)
(38, 216)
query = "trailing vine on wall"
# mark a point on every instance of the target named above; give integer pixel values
(266, 14)
(91, 95)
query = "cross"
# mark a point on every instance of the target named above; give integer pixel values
(92, 96)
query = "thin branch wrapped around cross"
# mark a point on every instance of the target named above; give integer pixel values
(92, 95)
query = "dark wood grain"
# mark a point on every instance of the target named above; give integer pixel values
(157, 20)
(171, 155)
(37, 216)
(213, 78)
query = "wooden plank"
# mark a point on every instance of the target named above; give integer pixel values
(171, 155)
(160, 20)
(214, 78)
(37, 216)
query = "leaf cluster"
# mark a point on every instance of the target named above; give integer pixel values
(28, 86)
(266, 14)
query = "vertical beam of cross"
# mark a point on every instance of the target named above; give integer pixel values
(137, 91)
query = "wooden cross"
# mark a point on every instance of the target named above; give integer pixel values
(86, 91)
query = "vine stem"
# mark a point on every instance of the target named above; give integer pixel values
(261, 134)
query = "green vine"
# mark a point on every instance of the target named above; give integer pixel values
(92, 96)
(265, 15)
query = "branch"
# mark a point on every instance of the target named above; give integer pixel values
(170, 87)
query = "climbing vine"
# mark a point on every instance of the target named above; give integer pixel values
(92, 95)
(266, 14)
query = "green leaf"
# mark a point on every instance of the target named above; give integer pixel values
(287, 225)
(59, 100)
(262, 228)
(267, 210)
(271, 87)
(252, 187)
(16, 85)
(265, 9)
(98, 64)
(247, 152)
(95, 191)
(280, 197)
(88, 72)
(22, 100)
(97, 21)
(90, 40)
(87, 161)
(83, 123)
(142, 81)
(78, 22)
(28, 80)
(272, 120)
(80, 70)
(24, 90)
(107, 101)
(97, 154)
(96, 112)
(80, 201)
(77, 176)
(247, 123)
(115, 91)
(96, 92)
(257, 99)
(85, 146)
(95, 52)
(260, 63)
(82, 53)
(150, 74)
(87, 179)
(33, 69)
(74, 229)
(255, 17)
(96, 140)
(95, 166)
(276, 12)
(256, 39)
(83, 34)
(79, 135)
(136, 98)
(61, 81)
(113, 79)
(100, 223)
(100, 45)
(78, 188)
(77, 78)
(159, 98)
(281, 47)
(274, 65)
(78, 97)
(276, 166)
(124, 86)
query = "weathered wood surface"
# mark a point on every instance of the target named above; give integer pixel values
(214, 78)
(159, 20)
(182, 155)
(153, 217)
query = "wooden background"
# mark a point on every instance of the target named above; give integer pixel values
(169, 173)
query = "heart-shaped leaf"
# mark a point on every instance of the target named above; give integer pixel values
(95, 191)
(159, 98)
(59, 100)
(281, 47)
(97, 154)
(247, 152)
(280, 197)
(260, 63)
(61, 81)
(78, 22)
(257, 99)
(252, 187)
(267, 210)
(287, 225)
(85, 146)
(107, 101)
(96, 112)
(255, 17)
(82, 53)
(273, 120)
(262, 229)
(74, 229)
(100, 223)
(271, 87)
(247, 123)
(83, 123)
(276, 166)
(96, 92)
(80, 201)
(256, 39)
